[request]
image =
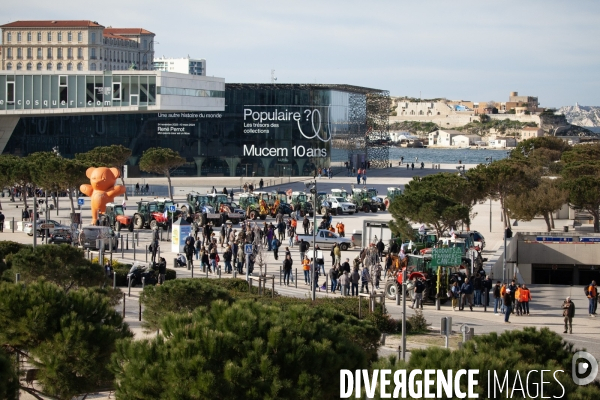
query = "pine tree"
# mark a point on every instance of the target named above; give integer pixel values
(246, 350)
(69, 337)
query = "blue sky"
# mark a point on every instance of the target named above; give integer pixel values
(477, 51)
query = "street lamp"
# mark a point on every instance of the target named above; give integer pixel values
(312, 186)
(490, 160)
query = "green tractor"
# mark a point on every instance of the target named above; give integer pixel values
(221, 204)
(392, 193)
(364, 201)
(254, 206)
(372, 193)
(198, 206)
(301, 202)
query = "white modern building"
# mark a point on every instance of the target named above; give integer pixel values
(74, 45)
(187, 65)
(465, 140)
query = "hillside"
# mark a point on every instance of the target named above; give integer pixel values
(588, 116)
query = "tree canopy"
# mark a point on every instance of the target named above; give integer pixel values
(160, 160)
(246, 350)
(516, 352)
(441, 200)
(69, 337)
(62, 264)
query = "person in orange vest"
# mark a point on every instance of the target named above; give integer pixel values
(331, 228)
(518, 309)
(341, 229)
(525, 297)
(592, 293)
(306, 269)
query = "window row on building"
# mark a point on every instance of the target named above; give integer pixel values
(47, 37)
(28, 52)
(49, 66)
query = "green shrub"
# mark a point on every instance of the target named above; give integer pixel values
(246, 350)
(418, 323)
(180, 295)
(516, 351)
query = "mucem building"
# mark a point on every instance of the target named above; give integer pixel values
(221, 129)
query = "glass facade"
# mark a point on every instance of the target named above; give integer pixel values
(265, 130)
(47, 91)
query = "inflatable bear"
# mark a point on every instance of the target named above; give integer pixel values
(102, 188)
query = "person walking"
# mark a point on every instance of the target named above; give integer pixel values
(377, 272)
(365, 277)
(241, 257)
(303, 248)
(380, 249)
(205, 260)
(305, 224)
(508, 302)
(341, 229)
(345, 283)
(364, 176)
(306, 269)
(162, 270)
(591, 293)
(419, 287)
(227, 257)
(517, 301)
(568, 314)
(466, 291)
(455, 292)
(524, 299)
(354, 279)
(477, 287)
(275, 243)
(287, 269)
(337, 252)
(497, 297)
(1, 222)
(197, 248)
(487, 286)
(333, 276)
(513, 292)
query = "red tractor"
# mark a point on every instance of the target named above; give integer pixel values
(115, 217)
(149, 215)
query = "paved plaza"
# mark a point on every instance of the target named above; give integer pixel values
(546, 299)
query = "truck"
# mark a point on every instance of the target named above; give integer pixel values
(341, 193)
(326, 239)
(115, 217)
(198, 206)
(149, 215)
(338, 206)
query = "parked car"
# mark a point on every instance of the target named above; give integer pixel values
(28, 227)
(89, 234)
(61, 235)
(338, 206)
(326, 239)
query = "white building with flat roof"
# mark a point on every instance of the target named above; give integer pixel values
(192, 66)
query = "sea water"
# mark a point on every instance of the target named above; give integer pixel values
(429, 155)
